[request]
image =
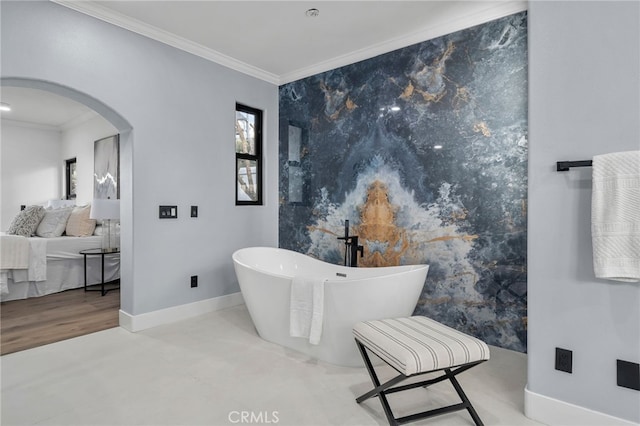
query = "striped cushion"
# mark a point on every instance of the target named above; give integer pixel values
(419, 344)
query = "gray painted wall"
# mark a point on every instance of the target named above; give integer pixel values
(29, 167)
(583, 101)
(33, 163)
(181, 149)
(74, 145)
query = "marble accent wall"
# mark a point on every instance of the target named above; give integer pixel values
(424, 151)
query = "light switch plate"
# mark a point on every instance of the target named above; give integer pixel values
(168, 212)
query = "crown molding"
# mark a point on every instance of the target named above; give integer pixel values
(74, 122)
(500, 10)
(139, 27)
(30, 125)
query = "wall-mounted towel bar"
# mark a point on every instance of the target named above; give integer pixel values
(564, 166)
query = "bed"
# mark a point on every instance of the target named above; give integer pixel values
(36, 266)
(55, 264)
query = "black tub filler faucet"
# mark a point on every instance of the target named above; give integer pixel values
(351, 247)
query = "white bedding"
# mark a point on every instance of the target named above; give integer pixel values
(63, 268)
(15, 252)
(69, 247)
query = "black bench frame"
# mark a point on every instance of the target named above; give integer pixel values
(382, 390)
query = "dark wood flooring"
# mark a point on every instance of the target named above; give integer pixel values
(28, 323)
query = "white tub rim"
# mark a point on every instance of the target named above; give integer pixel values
(386, 271)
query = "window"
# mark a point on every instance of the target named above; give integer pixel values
(248, 155)
(71, 179)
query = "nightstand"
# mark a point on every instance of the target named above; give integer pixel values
(102, 253)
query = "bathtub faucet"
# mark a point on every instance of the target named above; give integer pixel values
(351, 247)
(355, 248)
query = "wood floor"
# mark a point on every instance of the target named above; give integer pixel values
(28, 323)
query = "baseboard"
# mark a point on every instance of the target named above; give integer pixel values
(552, 411)
(140, 322)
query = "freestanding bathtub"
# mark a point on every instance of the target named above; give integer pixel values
(351, 295)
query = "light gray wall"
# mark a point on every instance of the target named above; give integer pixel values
(33, 162)
(30, 167)
(584, 100)
(180, 151)
(78, 142)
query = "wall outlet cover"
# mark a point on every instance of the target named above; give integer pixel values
(194, 211)
(628, 374)
(194, 281)
(564, 360)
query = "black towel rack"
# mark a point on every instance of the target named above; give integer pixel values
(564, 166)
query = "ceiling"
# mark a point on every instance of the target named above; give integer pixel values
(271, 40)
(277, 42)
(32, 106)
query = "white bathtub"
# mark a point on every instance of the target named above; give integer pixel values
(351, 295)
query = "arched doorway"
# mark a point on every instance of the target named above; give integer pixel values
(125, 130)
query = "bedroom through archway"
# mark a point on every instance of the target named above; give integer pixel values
(62, 122)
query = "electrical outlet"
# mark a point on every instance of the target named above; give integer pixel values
(194, 211)
(194, 281)
(564, 360)
(628, 374)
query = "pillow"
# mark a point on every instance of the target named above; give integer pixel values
(79, 224)
(53, 223)
(98, 230)
(26, 222)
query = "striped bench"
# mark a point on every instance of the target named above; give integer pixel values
(414, 346)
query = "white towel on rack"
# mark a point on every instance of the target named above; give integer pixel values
(615, 216)
(306, 308)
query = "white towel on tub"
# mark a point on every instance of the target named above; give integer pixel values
(306, 308)
(615, 216)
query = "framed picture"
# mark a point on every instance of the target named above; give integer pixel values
(106, 168)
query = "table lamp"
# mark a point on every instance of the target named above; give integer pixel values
(106, 209)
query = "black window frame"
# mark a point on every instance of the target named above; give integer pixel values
(257, 156)
(68, 194)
